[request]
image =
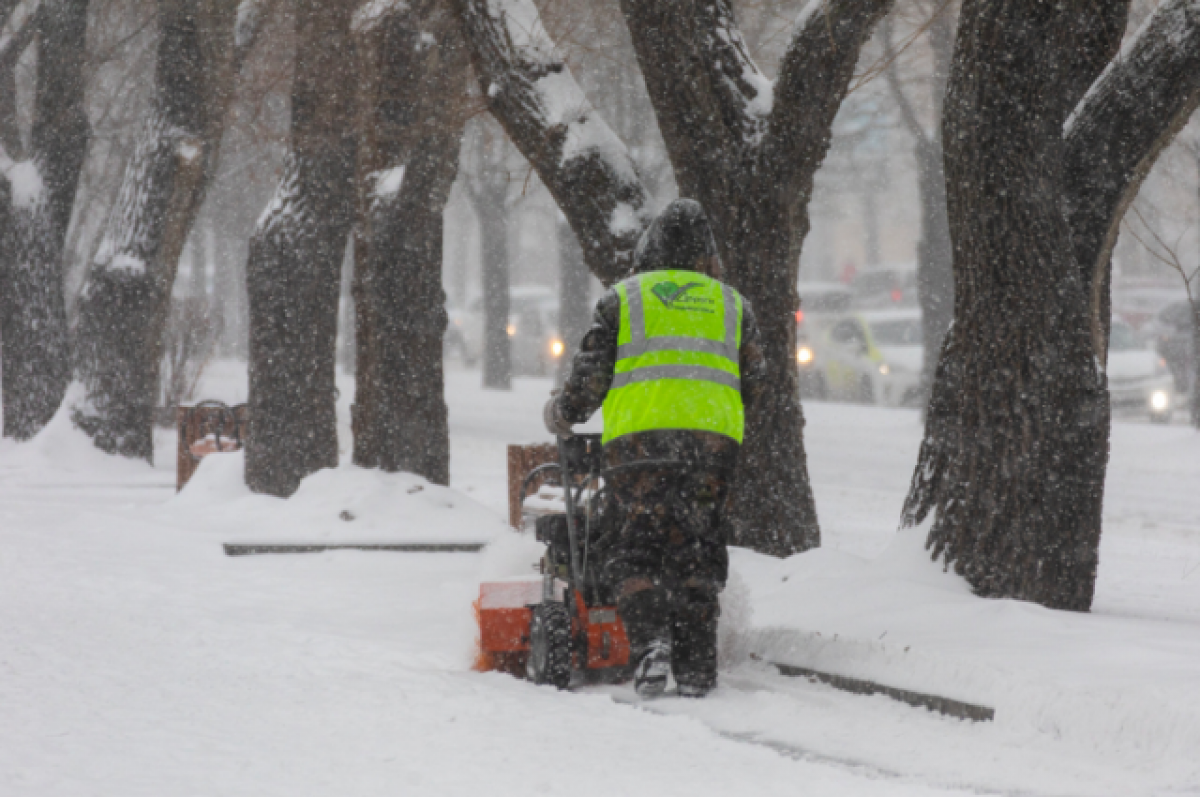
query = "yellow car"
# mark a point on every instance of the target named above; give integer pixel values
(874, 357)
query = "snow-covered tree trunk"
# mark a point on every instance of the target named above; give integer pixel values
(1015, 449)
(295, 259)
(41, 194)
(124, 304)
(748, 150)
(414, 73)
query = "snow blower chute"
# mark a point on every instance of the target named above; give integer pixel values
(563, 625)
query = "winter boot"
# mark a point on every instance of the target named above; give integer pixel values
(653, 667)
(694, 633)
(647, 617)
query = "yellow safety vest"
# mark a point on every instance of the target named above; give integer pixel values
(677, 357)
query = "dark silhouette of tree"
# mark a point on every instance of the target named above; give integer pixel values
(36, 211)
(413, 73)
(296, 253)
(123, 307)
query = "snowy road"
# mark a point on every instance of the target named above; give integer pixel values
(135, 659)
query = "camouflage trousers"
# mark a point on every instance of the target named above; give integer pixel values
(666, 562)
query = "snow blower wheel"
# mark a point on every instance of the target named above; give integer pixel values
(565, 619)
(550, 645)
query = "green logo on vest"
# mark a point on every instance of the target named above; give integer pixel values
(669, 293)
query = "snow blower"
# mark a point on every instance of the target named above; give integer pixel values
(561, 627)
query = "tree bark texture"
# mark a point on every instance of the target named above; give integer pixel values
(294, 264)
(123, 307)
(33, 229)
(585, 166)
(1012, 464)
(414, 68)
(1116, 134)
(748, 151)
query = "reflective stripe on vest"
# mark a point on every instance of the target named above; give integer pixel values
(677, 358)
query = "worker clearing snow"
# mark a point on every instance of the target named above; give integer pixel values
(673, 356)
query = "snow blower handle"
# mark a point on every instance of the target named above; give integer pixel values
(569, 497)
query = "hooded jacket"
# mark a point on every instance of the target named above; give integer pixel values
(680, 238)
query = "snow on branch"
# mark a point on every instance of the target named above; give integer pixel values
(545, 113)
(711, 100)
(1129, 115)
(815, 77)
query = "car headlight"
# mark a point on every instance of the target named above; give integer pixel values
(804, 355)
(556, 348)
(511, 329)
(1160, 400)
(884, 369)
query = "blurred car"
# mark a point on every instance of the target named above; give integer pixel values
(874, 357)
(879, 287)
(1138, 377)
(533, 334)
(1171, 332)
(819, 301)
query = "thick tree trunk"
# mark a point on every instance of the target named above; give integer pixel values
(124, 304)
(1015, 447)
(33, 320)
(411, 431)
(1116, 134)
(295, 260)
(414, 69)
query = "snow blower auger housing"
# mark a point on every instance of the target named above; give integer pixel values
(562, 626)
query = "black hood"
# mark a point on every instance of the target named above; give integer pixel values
(679, 238)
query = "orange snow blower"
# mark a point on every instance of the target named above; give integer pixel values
(562, 626)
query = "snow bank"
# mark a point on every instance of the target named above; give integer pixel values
(346, 504)
(1124, 689)
(62, 451)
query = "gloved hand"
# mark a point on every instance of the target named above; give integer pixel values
(552, 417)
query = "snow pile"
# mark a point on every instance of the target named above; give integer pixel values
(342, 505)
(1127, 690)
(64, 454)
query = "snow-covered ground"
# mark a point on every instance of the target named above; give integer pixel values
(135, 658)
